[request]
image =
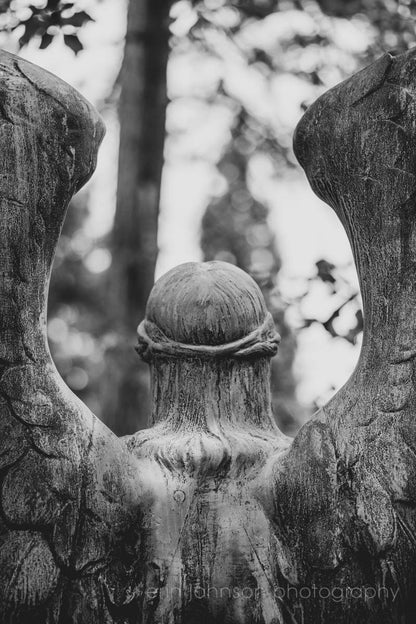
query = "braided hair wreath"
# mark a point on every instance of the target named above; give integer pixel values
(263, 341)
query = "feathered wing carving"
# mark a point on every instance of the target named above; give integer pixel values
(343, 499)
(69, 490)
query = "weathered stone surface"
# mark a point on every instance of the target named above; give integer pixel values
(68, 489)
(211, 515)
(208, 339)
(343, 498)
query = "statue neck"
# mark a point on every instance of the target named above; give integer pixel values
(204, 394)
(210, 417)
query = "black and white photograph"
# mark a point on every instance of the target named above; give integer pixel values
(207, 311)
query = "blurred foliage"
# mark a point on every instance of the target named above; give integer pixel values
(79, 330)
(235, 229)
(223, 29)
(342, 297)
(45, 21)
(268, 38)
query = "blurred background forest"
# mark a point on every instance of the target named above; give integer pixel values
(200, 99)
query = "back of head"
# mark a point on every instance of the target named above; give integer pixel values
(211, 303)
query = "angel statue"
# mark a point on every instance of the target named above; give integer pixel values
(211, 515)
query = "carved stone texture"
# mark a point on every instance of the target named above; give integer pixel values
(343, 499)
(208, 338)
(210, 515)
(165, 526)
(68, 488)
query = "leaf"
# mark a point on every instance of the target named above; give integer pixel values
(33, 26)
(357, 329)
(260, 56)
(46, 41)
(77, 19)
(54, 18)
(324, 271)
(74, 43)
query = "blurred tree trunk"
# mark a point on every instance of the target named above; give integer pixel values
(142, 111)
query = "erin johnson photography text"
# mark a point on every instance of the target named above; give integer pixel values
(334, 593)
